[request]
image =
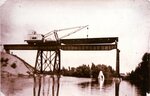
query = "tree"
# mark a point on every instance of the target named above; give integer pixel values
(107, 71)
(141, 75)
(83, 71)
(94, 71)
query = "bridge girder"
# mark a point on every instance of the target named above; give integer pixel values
(46, 61)
(79, 47)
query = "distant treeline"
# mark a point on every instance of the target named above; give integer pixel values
(87, 71)
(141, 75)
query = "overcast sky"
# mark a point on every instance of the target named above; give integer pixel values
(127, 19)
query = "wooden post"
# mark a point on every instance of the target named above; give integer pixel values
(117, 59)
(117, 62)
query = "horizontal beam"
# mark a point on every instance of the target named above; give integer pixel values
(75, 41)
(90, 40)
(88, 47)
(62, 47)
(29, 47)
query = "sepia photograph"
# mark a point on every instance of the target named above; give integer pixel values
(74, 47)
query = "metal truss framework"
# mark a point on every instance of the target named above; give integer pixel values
(48, 62)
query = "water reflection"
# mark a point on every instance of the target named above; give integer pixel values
(46, 85)
(117, 88)
(49, 85)
(102, 86)
(95, 83)
(143, 87)
(42, 85)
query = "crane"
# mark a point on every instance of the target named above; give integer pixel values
(35, 38)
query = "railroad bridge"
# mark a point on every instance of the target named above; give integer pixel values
(48, 57)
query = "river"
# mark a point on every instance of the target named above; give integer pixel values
(67, 86)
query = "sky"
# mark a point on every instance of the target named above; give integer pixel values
(127, 19)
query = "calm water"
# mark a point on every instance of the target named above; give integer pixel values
(66, 86)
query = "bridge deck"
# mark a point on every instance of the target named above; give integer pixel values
(90, 40)
(62, 47)
(76, 41)
(67, 44)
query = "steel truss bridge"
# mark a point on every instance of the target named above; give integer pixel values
(48, 59)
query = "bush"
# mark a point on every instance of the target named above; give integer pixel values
(13, 65)
(4, 65)
(4, 60)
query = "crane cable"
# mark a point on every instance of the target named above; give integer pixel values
(80, 28)
(149, 43)
(87, 32)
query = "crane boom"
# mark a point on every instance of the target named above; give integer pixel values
(34, 37)
(56, 31)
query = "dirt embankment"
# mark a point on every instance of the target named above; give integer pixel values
(14, 74)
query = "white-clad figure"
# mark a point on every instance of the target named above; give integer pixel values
(101, 79)
(101, 76)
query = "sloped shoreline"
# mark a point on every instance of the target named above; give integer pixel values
(14, 65)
